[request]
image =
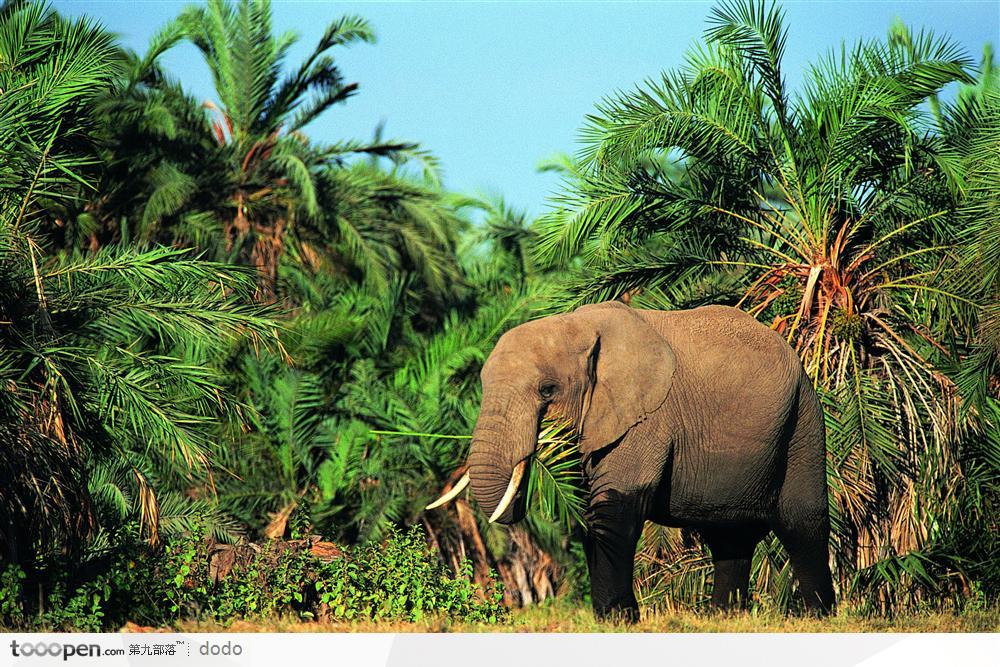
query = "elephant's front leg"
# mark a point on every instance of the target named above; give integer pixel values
(614, 522)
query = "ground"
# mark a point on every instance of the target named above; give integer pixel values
(562, 617)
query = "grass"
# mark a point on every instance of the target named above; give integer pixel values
(564, 617)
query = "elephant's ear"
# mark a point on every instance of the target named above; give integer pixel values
(631, 368)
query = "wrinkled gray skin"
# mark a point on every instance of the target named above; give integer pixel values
(701, 418)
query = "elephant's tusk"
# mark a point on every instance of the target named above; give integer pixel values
(455, 490)
(515, 481)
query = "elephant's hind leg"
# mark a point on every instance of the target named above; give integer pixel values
(807, 548)
(732, 551)
(802, 520)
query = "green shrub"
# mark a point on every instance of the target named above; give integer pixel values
(66, 605)
(397, 580)
(401, 580)
(11, 594)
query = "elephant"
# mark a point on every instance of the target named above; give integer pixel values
(703, 419)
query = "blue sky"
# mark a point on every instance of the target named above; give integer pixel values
(493, 87)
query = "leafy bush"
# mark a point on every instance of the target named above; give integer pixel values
(399, 579)
(79, 606)
(11, 592)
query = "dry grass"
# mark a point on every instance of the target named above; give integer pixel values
(561, 617)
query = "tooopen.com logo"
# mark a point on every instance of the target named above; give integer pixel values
(54, 650)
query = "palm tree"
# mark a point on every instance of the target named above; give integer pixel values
(43, 121)
(972, 125)
(830, 215)
(289, 206)
(269, 165)
(274, 171)
(108, 384)
(162, 170)
(347, 236)
(498, 249)
(45, 124)
(379, 224)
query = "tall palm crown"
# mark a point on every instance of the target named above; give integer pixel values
(270, 164)
(829, 214)
(238, 179)
(43, 108)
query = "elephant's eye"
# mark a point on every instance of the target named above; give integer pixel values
(547, 390)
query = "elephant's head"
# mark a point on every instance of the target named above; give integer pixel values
(601, 367)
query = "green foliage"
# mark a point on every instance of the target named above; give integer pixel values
(206, 314)
(238, 179)
(108, 359)
(398, 579)
(401, 580)
(555, 484)
(52, 70)
(11, 594)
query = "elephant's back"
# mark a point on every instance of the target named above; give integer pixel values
(721, 327)
(736, 384)
(735, 364)
(725, 339)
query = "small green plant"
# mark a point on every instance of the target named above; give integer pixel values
(11, 593)
(79, 609)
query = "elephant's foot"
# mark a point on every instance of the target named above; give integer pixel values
(617, 614)
(729, 602)
(615, 607)
(808, 551)
(818, 602)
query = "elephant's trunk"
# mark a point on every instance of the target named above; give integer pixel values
(502, 443)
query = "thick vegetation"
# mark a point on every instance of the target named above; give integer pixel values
(215, 330)
(191, 577)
